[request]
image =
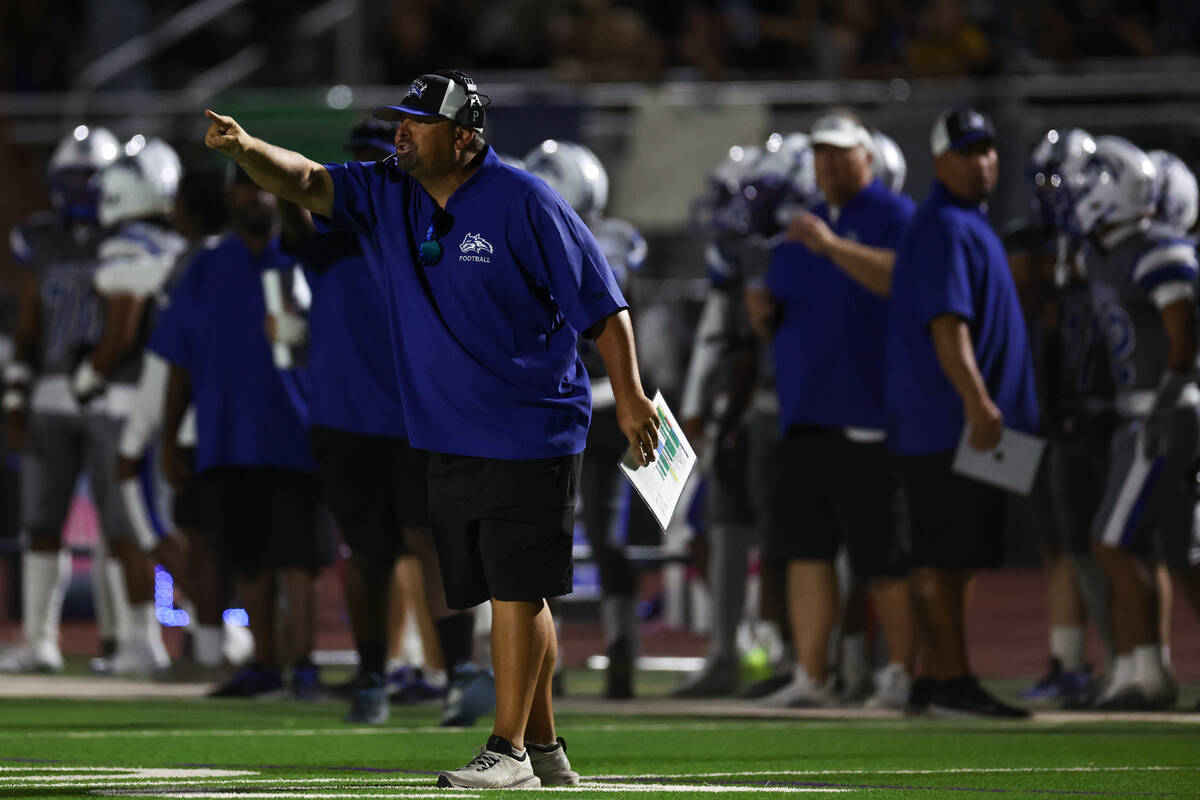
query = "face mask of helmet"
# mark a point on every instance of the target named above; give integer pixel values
(74, 171)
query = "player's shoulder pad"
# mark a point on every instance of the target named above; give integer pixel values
(1164, 254)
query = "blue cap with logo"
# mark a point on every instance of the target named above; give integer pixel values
(956, 128)
(448, 94)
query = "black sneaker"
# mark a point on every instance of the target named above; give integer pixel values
(964, 697)
(919, 695)
(251, 680)
(766, 686)
(369, 703)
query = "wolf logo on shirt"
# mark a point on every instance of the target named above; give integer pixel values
(475, 243)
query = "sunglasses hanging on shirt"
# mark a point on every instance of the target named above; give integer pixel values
(431, 249)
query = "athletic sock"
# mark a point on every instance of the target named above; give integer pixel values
(1066, 644)
(45, 584)
(206, 645)
(455, 634)
(1165, 654)
(1147, 665)
(854, 659)
(1122, 670)
(122, 621)
(436, 678)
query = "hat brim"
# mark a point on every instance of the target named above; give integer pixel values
(397, 113)
(841, 139)
(971, 137)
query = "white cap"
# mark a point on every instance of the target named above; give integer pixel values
(839, 131)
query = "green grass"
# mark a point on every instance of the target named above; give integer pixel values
(296, 750)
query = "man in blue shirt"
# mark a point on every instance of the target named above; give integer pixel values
(827, 311)
(491, 279)
(252, 449)
(957, 355)
(372, 479)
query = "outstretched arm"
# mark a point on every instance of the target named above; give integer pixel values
(281, 172)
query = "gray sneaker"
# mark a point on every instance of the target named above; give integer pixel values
(550, 763)
(493, 767)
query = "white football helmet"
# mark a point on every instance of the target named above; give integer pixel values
(1058, 155)
(888, 160)
(722, 207)
(141, 183)
(781, 183)
(573, 171)
(1176, 195)
(74, 170)
(1115, 184)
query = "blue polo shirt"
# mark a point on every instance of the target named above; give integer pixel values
(213, 328)
(830, 344)
(485, 339)
(350, 358)
(950, 261)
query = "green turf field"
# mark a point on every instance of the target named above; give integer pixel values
(198, 748)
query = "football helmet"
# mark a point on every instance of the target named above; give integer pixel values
(722, 207)
(781, 183)
(141, 183)
(1176, 196)
(1113, 185)
(573, 171)
(1057, 153)
(888, 160)
(73, 171)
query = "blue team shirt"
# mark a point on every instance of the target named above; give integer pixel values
(350, 359)
(950, 261)
(830, 345)
(486, 351)
(213, 328)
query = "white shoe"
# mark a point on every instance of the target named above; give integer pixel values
(493, 769)
(140, 658)
(802, 692)
(892, 687)
(42, 656)
(550, 763)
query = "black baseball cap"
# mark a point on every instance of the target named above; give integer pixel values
(448, 94)
(956, 128)
(371, 132)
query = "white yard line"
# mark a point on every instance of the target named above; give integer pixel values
(951, 771)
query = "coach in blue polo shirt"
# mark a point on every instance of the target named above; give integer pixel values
(828, 283)
(491, 278)
(958, 356)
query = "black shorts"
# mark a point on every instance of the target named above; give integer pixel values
(190, 508)
(503, 528)
(266, 518)
(1075, 471)
(375, 486)
(833, 491)
(957, 522)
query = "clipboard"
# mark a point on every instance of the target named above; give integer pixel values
(660, 483)
(1010, 465)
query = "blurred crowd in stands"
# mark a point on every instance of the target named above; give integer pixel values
(43, 45)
